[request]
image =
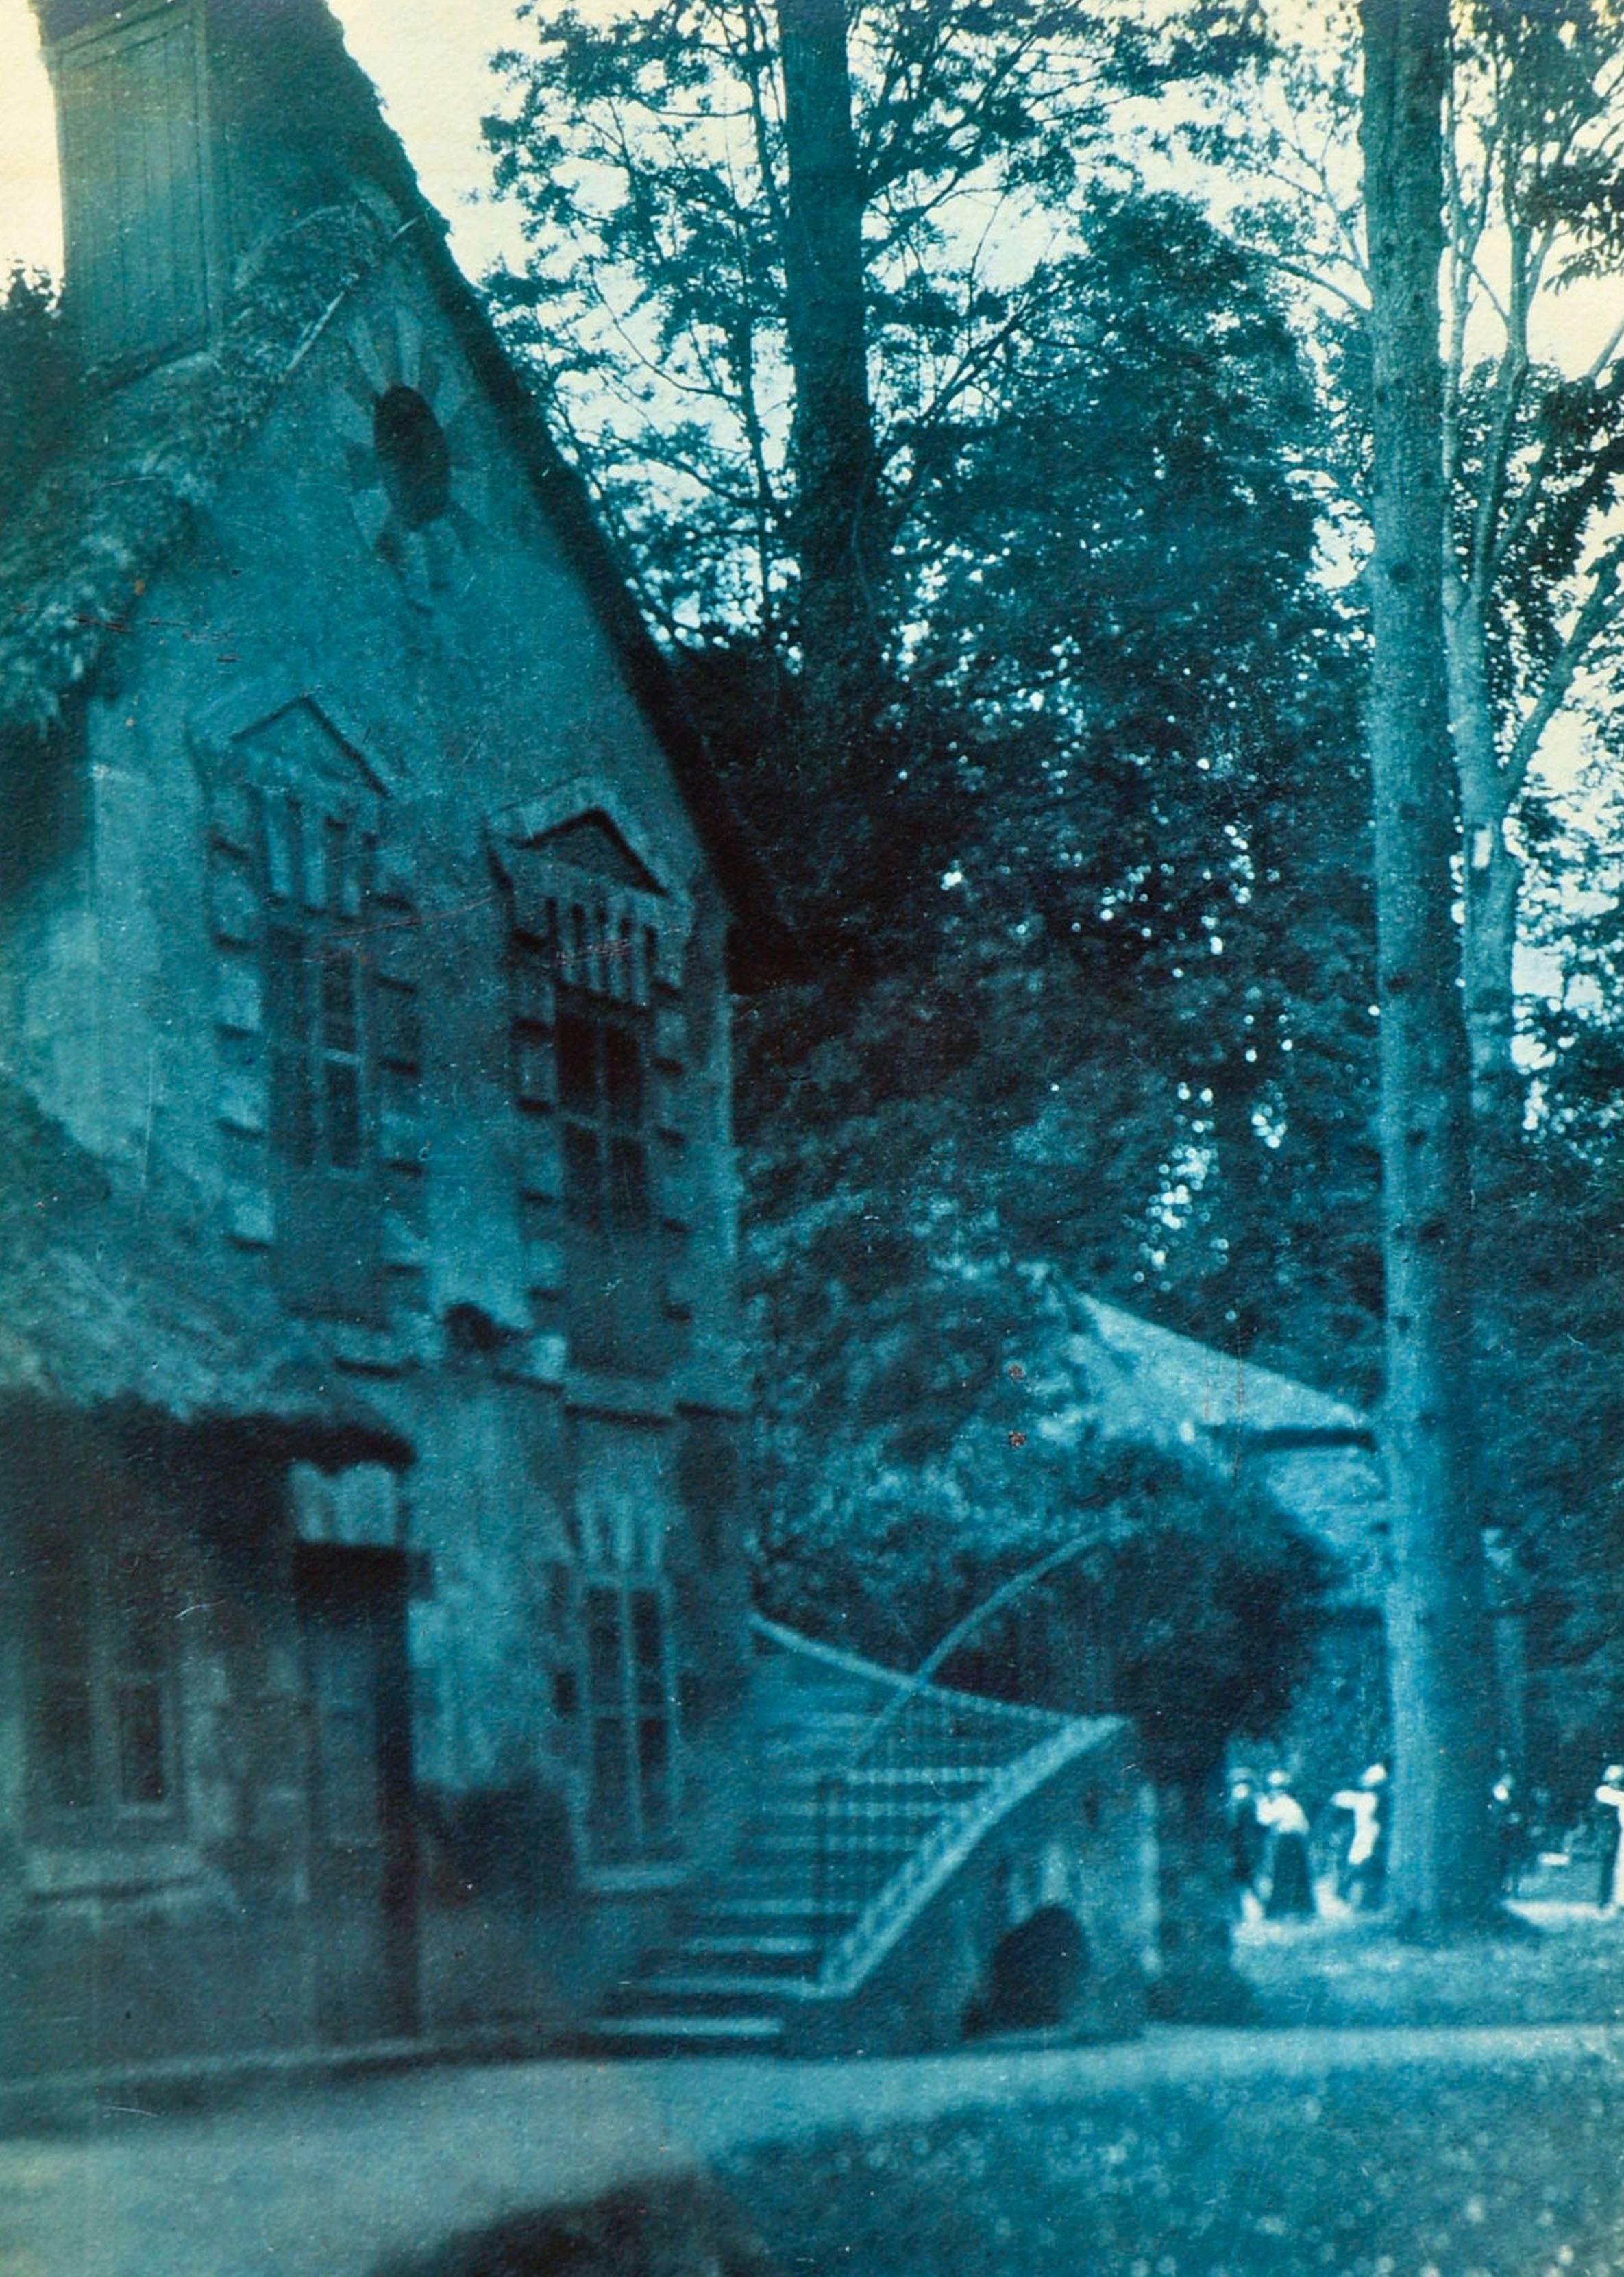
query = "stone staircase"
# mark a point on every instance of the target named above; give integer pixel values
(837, 1820)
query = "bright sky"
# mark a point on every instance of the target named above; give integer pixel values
(430, 60)
(428, 57)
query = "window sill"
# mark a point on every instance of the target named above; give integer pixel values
(636, 1881)
(108, 1866)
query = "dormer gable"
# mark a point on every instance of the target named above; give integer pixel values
(583, 881)
(592, 843)
(299, 749)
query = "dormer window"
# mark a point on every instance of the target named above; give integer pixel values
(323, 1061)
(593, 960)
(317, 1023)
(318, 1063)
(602, 1091)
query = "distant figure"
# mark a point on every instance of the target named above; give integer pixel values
(1610, 1805)
(1364, 1880)
(1291, 1887)
(1245, 1836)
(1507, 1816)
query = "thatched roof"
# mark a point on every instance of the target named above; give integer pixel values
(115, 1296)
(75, 555)
(106, 512)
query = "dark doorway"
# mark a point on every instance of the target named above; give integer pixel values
(363, 1876)
(1034, 1976)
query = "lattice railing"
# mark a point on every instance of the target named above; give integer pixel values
(925, 1757)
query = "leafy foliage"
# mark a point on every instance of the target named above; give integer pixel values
(1086, 973)
(36, 382)
(646, 152)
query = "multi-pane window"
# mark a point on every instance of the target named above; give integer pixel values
(334, 1033)
(632, 1699)
(102, 1720)
(317, 1070)
(586, 971)
(601, 1106)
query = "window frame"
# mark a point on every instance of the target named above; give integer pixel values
(325, 1035)
(626, 1710)
(111, 1667)
(596, 1201)
(316, 949)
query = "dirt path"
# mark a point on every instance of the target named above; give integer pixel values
(326, 2182)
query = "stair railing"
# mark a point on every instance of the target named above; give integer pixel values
(925, 1754)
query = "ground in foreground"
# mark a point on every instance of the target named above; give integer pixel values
(1428, 2172)
(1423, 2168)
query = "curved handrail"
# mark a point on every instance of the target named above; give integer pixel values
(959, 1635)
(860, 1948)
(853, 1664)
(831, 1655)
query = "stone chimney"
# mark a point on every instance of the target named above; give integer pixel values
(188, 133)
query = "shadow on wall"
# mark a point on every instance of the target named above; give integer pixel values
(680, 2229)
(510, 1845)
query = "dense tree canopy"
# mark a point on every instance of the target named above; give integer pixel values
(1089, 965)
(1087, 981)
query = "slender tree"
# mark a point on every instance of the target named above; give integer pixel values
(1441, 1863)
(1533, 452)
(842, 542)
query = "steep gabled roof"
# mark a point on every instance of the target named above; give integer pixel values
(120, 497)
(1312, 1455)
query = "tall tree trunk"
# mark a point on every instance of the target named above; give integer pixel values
(1442, 1871)
(839, 544)
(1199, 1983)
(1493, 883)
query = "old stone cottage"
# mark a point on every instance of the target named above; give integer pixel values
(371, 1379)
(375, 1653)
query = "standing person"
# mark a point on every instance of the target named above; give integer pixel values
(1291, 1887)
(1245, 1837)
(1373, 1874)
(1610, 1807)
(1506, 1814)
(1364, 1865)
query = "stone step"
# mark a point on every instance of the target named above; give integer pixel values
(790, 1869)
(757, 1961)
(675, 1991)
(885, 1779)
(662, 2032)
(807, 1841)
(718, 1916)
(782, 1952)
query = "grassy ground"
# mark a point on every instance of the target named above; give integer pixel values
(1567, 1967)
(1427, 2172)
(1506, 2165)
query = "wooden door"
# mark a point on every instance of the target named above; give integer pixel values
(363, 1880)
